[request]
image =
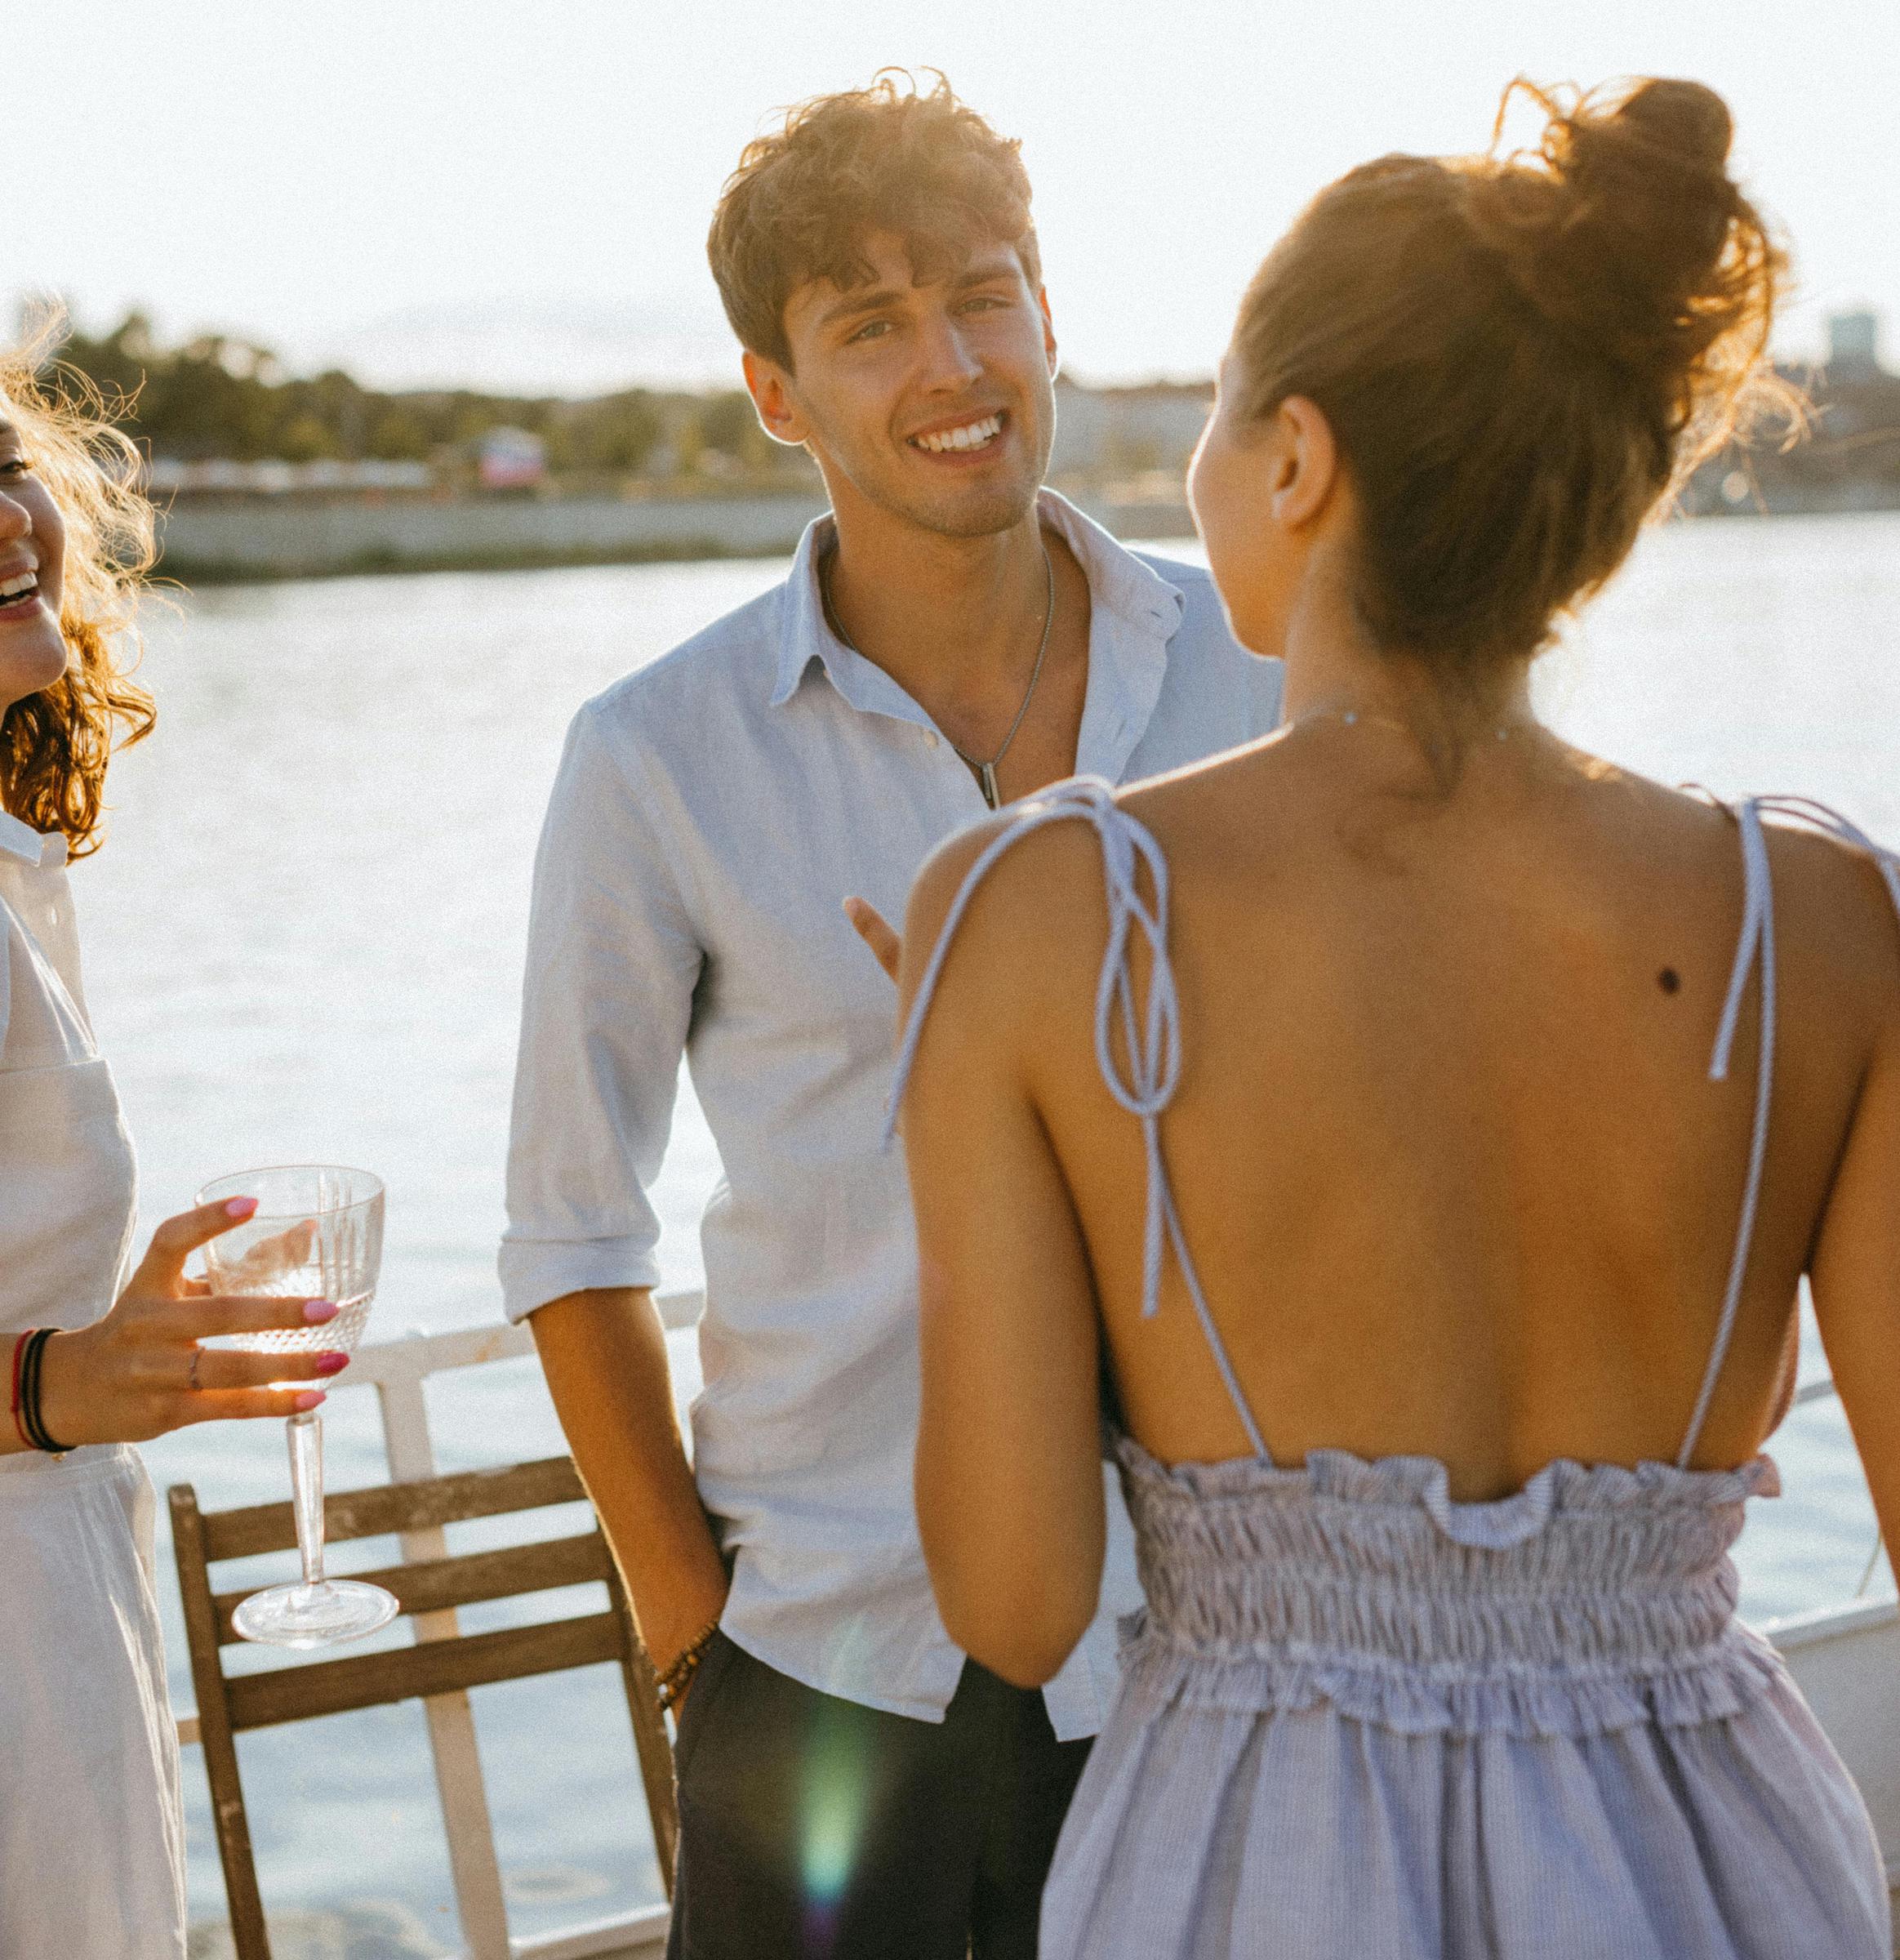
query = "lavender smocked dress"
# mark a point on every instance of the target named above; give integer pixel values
(1357, 1718)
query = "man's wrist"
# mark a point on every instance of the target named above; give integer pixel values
(674, 1679)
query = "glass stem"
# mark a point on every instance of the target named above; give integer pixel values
(306, 1445)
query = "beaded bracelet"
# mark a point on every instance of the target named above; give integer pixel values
(677, 1676)
(27, 1352)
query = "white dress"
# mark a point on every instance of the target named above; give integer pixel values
(92, 1826)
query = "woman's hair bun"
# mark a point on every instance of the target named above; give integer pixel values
(1623, 229)
(1648, 188)
(1684, 123)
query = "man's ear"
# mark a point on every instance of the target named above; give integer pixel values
(774, 399)
(1050, 352)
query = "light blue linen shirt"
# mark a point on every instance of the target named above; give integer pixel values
(712, 813)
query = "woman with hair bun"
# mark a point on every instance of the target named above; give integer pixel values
(1406, 1172)
(91, 1835)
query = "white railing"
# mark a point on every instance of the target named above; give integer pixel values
(1819, 1388)
(397, 1370)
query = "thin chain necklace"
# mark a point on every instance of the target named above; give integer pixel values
(1352, 717)
(984, 772)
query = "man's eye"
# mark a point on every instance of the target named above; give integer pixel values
(870, 330)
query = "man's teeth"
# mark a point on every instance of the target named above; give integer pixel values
(973, 435)
(12, 588)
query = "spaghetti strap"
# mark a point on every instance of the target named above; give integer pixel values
(1151, 1031)
(1754, 953)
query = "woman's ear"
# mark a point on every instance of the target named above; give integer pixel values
(1305, 463)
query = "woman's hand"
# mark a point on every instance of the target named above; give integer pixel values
(875, 932)
(140, 1371)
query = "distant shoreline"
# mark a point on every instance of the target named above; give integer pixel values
(372, 564)
(233, 541)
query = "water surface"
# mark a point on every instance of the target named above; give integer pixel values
(305, 938)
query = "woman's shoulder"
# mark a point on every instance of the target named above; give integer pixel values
(1023, 893)
(1036, 850)
(1836, 890)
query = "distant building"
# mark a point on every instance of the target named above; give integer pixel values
(510, 459)
(1853, 346)
(1128, 432)
(1849, 457)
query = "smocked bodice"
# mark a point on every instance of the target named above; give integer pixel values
(1593, 1597)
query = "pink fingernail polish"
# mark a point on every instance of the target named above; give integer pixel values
(240, 1208)
(317, 1312)
(332, 1363)
(311, 1398)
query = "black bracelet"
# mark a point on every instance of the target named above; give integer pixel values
(36, 1432)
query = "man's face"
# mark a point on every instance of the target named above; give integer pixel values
(932, 403)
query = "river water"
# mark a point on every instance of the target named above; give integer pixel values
(304, 942)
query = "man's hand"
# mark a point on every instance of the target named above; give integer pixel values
(876, 934)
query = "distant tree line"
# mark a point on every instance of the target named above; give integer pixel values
(221, 396)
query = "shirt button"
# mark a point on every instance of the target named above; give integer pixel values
(930, 735)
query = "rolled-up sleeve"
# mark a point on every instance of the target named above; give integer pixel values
(612, 960)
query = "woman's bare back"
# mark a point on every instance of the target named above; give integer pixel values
(1445, 1146)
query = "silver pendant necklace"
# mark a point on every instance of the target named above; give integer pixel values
(984, 772)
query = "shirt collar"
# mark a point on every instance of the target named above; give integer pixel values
(32, 847)
(805, 635)
(1134, 613)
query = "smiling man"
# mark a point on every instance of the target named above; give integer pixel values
(953, 635)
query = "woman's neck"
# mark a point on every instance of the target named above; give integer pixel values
(1334, 669)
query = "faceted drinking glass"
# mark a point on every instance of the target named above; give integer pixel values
(316, 1234)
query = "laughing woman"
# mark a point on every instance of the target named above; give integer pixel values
(91, 1850)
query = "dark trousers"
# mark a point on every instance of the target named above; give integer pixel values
(812, 1828)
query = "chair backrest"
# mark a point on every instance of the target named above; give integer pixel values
(441, 1666)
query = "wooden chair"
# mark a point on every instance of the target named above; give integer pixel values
(441, 1666)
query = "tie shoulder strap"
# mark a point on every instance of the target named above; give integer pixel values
(1088, 799)
(1755, 955)
(1150, 1029)
(1818, 816)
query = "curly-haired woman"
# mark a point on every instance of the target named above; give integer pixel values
(102, 1354)
(1410, 1165)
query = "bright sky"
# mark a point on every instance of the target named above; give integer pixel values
(482, 191)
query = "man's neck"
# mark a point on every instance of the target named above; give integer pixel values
(955, 621)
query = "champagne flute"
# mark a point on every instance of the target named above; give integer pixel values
(318, 1232)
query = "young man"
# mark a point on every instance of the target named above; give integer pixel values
(953, 635)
